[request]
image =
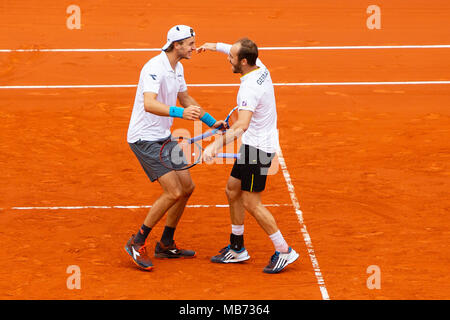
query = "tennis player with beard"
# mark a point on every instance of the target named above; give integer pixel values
(257, 123)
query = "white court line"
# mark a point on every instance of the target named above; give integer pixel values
(133, 207)
(306, 236)
(76, 86)
(294, 84)
(427, 46)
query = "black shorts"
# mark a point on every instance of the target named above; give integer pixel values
(252, 168)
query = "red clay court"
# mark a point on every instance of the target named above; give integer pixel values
(364, 130)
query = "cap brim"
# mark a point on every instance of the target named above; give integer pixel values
(166, 45)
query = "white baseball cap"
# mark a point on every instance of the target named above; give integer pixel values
(177, 33)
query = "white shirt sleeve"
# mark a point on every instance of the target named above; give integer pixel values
(247, 99)
(151, 78)
(223, 47)
(183, 85)
(181, 81)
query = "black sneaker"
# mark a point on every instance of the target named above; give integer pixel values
(138, 252)
(172, 251)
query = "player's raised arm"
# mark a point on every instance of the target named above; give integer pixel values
(210, 46)
(222, 47)
(207, 46)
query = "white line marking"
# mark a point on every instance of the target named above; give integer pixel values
(362, 83)
(132, 207)
(306, 84)
(306, 237)
(82, 50)
(432, 46)
(71, 86)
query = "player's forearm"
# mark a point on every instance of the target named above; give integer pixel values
(191, 112)
(187, 101)
(223, 47)
(230, 135)
(156, 107)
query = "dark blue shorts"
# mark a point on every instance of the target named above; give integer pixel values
(147, 153)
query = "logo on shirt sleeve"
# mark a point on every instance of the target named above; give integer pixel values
(153, 76)
(244, 103)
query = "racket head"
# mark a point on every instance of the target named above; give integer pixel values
(232, 117)
(180, 153)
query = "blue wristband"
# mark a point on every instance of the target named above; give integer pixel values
(176, 112)
(208, 119)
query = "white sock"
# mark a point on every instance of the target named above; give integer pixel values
(278, 242)
(237, 230)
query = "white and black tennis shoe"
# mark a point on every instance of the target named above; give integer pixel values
(279, 261)
(228, 255)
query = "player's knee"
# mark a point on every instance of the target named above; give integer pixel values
(232, 193)
(189, 190)
(175, 194)
(229, 193)
(250, 204)
(251, 208)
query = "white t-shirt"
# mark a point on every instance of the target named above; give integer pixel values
(156, 76)
(256, 94)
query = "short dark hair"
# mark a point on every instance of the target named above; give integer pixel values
(172, 45)
(248, 50)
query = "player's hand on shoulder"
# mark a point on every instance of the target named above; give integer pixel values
(191, 113)
(207, 46)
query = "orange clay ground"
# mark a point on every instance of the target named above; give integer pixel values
(370, 164)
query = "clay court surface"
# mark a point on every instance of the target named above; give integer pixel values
(369, 163)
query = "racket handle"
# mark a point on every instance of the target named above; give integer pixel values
(228, 155)
(204, 135)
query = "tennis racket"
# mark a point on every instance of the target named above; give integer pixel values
(229, 120)
(181, 153)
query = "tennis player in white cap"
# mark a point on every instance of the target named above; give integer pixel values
(161, 83)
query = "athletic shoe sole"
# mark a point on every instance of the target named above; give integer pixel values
(172, 253)
(243, 256)
(166, 256)
(134, 261)
(235, 260)
(293, 256)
